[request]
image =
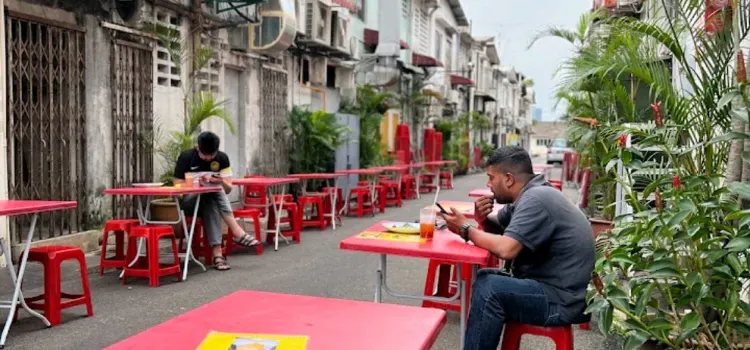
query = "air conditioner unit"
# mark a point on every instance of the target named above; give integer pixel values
(626, 3)
(354, 49)
(340, 37)
(318, 22)
(277, 28)
(318, 70)
(300, 9)
(454, 97)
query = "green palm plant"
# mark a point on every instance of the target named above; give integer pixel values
(315, 138)
(198, 106)
(673, 267)
(370, 105)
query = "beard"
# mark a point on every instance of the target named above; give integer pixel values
(502, 199)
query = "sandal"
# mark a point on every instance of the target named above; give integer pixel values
(220, 263)
(247, 241)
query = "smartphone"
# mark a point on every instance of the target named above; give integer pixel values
(441, 208)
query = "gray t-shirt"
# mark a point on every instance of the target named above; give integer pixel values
(558, 242)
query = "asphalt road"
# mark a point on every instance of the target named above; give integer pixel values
(314, 267)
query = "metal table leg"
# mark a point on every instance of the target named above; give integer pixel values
(12, 305)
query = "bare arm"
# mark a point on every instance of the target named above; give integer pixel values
(503, 247)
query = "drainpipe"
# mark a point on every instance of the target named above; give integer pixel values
(4, 229)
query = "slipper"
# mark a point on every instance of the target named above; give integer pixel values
(247, 241)
(220, 263)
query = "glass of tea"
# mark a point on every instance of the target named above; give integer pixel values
(426, 223)
(189, 179)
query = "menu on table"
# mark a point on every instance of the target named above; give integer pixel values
(389, 236)
(239, 341)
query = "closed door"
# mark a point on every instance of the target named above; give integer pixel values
(232, 141)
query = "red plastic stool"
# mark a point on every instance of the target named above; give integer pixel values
(361, 195)
(317, 202)
(392, 193)
(444, 289)
(228, 238)
(446, 180)
(54, 300)
(426, 185)
(120, 229)
(152, 270)
(562, 335)
(408, 187)
(585, 326)
(292, 218)
(382, 196)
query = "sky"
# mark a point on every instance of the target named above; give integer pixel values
(515, 24)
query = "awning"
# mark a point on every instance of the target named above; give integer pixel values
(372, 37)
(459, 80)
(347, 4)
(424, 61)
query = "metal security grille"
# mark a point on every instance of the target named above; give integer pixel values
(132, 120)
(273, 156)
(46, 122)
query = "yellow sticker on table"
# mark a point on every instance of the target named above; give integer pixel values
(389, 236)
(238, 341)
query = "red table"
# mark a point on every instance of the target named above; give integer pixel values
(331, 179)
(480, 192)
(270, 183)
(22, 207)
(329, 323)
(465, 208)
(166, 191)
(445, 246)
(372, 177)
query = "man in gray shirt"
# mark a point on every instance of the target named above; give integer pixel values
(545, 239)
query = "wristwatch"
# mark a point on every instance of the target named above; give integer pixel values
(465, 231)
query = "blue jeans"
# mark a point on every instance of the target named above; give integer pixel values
(496, 299)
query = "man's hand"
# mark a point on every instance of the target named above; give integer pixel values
(211, 179)
(483, 207)
(454, 221)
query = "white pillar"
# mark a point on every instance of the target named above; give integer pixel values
(4, 229)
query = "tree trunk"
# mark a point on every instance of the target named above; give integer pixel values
(734, 163)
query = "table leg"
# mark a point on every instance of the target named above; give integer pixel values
(189, 249)
(373, 192)
(380, 273)
(277, 211)
(17, 281)
(334, 199)
(464, 303)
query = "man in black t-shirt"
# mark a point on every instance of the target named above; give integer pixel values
(210, 167)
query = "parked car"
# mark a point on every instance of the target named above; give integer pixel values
(556, 151)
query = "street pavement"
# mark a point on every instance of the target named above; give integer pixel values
(315, 267)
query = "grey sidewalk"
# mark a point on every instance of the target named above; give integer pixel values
(314, 267)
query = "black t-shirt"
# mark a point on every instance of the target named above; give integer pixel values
(190, 162)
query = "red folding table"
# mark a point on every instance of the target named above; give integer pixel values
(271, 183)
(328, 323)
(166, 191)
(445, 246)
(22, 207)
(332, 183)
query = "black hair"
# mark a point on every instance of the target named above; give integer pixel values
(513, 159)
(208, 142)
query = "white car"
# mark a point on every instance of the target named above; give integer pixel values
(556, 151)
